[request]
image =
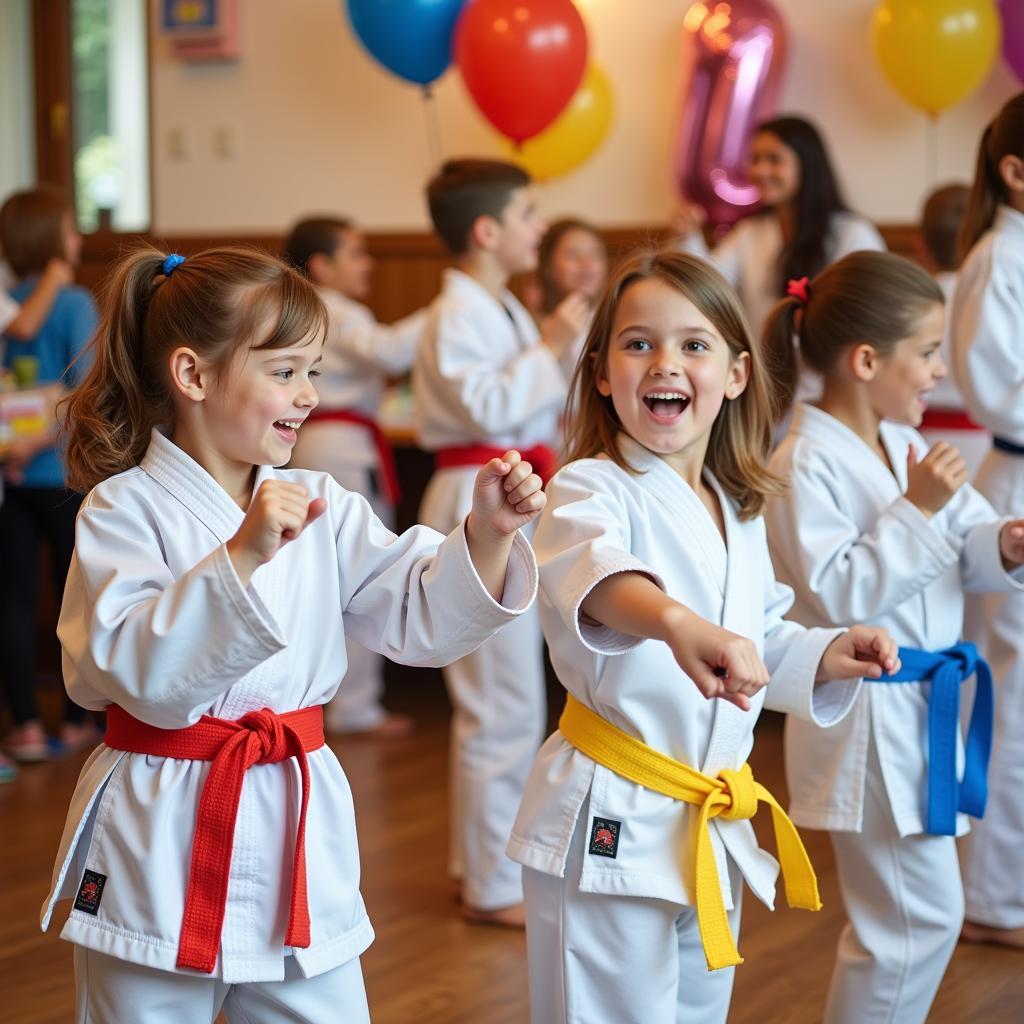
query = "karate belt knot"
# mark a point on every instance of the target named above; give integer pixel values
(947, 670)
(233, 747)
(734, 795)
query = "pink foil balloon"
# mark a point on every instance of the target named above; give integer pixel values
(1013, 35)
(738, 52)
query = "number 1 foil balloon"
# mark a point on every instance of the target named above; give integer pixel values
(738, 54)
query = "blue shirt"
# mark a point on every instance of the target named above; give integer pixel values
(67, 330)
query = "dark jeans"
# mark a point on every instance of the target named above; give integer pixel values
(29, 515)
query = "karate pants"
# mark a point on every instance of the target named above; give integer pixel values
(905, 905)
(628, 959)
(499, 712)
(993, 854)
(322, 446)
(112, 991)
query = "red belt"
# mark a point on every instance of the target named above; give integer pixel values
(540, 456)
(260, 737)
(385, 457)
(948, 419)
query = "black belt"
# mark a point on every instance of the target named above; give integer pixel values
(1007, 446)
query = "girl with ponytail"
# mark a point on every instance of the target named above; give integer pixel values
(987, 341)
(876, 525)
(206, 612)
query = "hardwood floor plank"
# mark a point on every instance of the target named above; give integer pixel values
(426, 965)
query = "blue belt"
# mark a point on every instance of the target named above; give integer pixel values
(947, 670)
(1009, 447)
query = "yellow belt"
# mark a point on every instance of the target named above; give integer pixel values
(733, 795)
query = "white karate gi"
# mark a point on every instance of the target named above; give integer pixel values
(482, 376)
(155, 619)
(988, 358)
(854, 549)
(973, 445)
(359, 355)
(636, 909)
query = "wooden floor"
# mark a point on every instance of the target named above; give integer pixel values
(426, 965)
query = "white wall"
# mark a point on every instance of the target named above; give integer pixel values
(17, 134)
(306, 122)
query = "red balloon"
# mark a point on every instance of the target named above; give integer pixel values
(521, 60)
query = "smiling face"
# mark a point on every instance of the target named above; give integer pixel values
(774, 169)
(668, 371)
(910, 370)
(247, 414)
(579, 263)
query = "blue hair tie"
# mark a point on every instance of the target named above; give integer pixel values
(172, 261)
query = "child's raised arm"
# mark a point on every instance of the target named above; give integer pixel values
(720, 663)
(506, 496)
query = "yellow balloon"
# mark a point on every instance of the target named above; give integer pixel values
(935, 52)
(574, 135)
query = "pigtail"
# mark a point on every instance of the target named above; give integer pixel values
(779, 345)
(108, 418)
(986, 193)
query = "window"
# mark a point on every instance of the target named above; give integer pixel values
(110, 113)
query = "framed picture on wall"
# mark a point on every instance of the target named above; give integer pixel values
(201, 30)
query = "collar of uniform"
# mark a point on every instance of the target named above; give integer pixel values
(459, 281)
(817, 425)
(183, 478)
(656, 474)
(1009, 219)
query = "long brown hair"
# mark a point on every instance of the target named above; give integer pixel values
(873, 297)
(215, 302)
(1004, 136)
(741, 434)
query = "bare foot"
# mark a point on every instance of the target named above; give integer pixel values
(503, 917)
(1012, 937)
(392, 726)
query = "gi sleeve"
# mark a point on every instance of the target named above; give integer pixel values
(583, 538)
(416, 598)
(162, 648)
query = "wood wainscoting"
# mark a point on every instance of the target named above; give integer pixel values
(408, 264)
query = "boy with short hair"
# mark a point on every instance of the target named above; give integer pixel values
(485, 380)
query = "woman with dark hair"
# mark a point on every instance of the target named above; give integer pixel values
(802, 226)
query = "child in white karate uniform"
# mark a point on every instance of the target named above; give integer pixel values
(946, 417)
(206, 612)
(657, 594)
(988, 359)
(342, 437)
(486, 379)
(874, 524)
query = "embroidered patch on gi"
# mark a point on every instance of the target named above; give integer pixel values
(604, 837)
(90, 892)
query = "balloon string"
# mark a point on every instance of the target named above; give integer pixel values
(433, 123)
(932, 150)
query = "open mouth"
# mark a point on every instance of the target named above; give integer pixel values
(666, 405)
(288, 429)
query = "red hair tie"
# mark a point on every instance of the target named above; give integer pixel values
(800, 289)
